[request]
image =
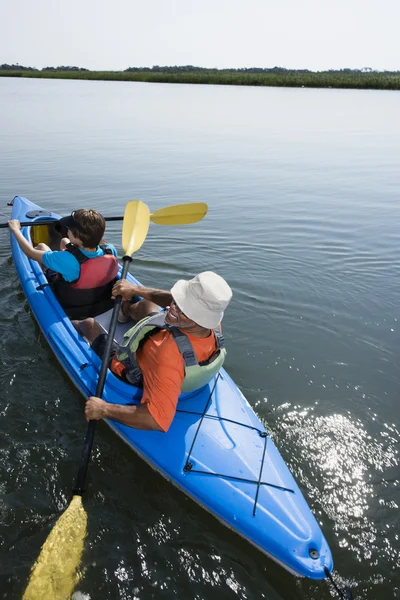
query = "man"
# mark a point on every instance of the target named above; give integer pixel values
(180, 349)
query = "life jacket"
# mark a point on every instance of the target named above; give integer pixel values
(196, 374)
(90, 294)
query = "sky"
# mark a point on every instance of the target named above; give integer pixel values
(117, 34)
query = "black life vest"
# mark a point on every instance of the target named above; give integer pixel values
(90, 294)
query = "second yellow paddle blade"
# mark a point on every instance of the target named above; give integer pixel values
(55, 573)
(180, 214)
(135, 226)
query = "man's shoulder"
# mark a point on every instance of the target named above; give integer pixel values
(161, 352)
(164, 345)
(164, 338)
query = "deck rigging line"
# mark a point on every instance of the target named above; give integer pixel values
(343, 594)
(263, 434)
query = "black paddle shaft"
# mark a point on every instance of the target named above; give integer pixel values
(50, 221)
(88, 443)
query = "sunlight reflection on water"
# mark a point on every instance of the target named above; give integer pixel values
(352, 463)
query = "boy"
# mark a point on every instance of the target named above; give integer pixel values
(83, 271)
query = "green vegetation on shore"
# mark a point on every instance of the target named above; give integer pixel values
(279, 77)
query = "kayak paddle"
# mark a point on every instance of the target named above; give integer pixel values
(180, 214)
(177, 214)
(55, 573)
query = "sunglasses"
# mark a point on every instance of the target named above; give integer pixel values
(179, 310)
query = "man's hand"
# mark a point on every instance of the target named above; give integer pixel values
(125, 289)
(14, 225)
(133, 415)
(95, 409)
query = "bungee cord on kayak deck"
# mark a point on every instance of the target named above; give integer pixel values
(263, 434)
(346, 593)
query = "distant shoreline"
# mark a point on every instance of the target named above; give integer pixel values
(346, 79)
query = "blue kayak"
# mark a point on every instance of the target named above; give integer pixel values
(217, 450)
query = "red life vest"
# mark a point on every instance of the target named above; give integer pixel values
(90, 294)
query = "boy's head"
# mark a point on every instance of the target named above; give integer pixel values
(86, 224)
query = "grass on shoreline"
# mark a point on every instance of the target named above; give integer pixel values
(323, 79)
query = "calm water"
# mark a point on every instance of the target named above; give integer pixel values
(302, 187)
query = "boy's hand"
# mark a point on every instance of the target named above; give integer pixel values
(14, 225)
(125, 289)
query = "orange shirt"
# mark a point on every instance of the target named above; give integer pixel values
(163, 372)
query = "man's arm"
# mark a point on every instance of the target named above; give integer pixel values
(136, 416)
(126, 290)
(23, 243)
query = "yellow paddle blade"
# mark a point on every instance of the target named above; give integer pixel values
(55, 573)
(135, 226)
(180, 214)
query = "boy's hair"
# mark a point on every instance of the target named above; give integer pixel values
(91, 226)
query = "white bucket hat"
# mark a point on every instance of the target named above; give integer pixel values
(203, 298)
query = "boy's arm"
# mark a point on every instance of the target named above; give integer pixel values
(23, 243)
